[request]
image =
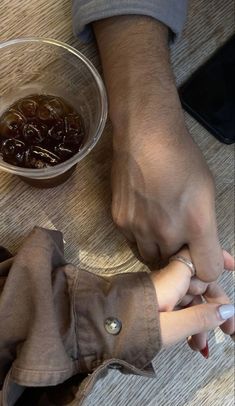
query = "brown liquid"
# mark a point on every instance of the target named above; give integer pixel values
(40, 131)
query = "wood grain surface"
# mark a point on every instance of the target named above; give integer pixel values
(80, 208)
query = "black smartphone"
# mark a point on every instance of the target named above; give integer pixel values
(209, 95)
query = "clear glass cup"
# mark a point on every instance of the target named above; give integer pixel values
(44, 66)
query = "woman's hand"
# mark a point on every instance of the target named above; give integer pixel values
(176, 289)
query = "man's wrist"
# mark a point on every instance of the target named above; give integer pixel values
(138, 75)
(157, 114)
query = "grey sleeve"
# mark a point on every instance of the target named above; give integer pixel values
(170, 12)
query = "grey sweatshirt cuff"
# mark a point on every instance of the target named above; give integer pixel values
(170, 12)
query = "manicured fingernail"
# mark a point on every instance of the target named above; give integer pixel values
(205, 351)
(226, 311)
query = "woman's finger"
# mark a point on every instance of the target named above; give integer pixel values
(171, 284)
(213, 294)
(198, 342)
(174, 281)
(180, 324)
(216, 294)
(185, 302)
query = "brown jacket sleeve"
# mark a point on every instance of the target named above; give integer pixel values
(116, 318)
(57, 321)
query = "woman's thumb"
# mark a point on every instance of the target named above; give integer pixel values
(178, 325)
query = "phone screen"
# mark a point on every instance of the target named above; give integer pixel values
(209, 95)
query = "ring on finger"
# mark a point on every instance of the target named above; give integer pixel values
(185, 261)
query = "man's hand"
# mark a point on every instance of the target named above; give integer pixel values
(163, 192)
(163, 198)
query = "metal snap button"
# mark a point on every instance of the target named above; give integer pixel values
(113, 325)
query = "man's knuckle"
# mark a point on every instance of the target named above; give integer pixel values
(166, 237)
(119, 220)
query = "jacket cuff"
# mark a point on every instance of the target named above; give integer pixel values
(170, 12)
(117, 319)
